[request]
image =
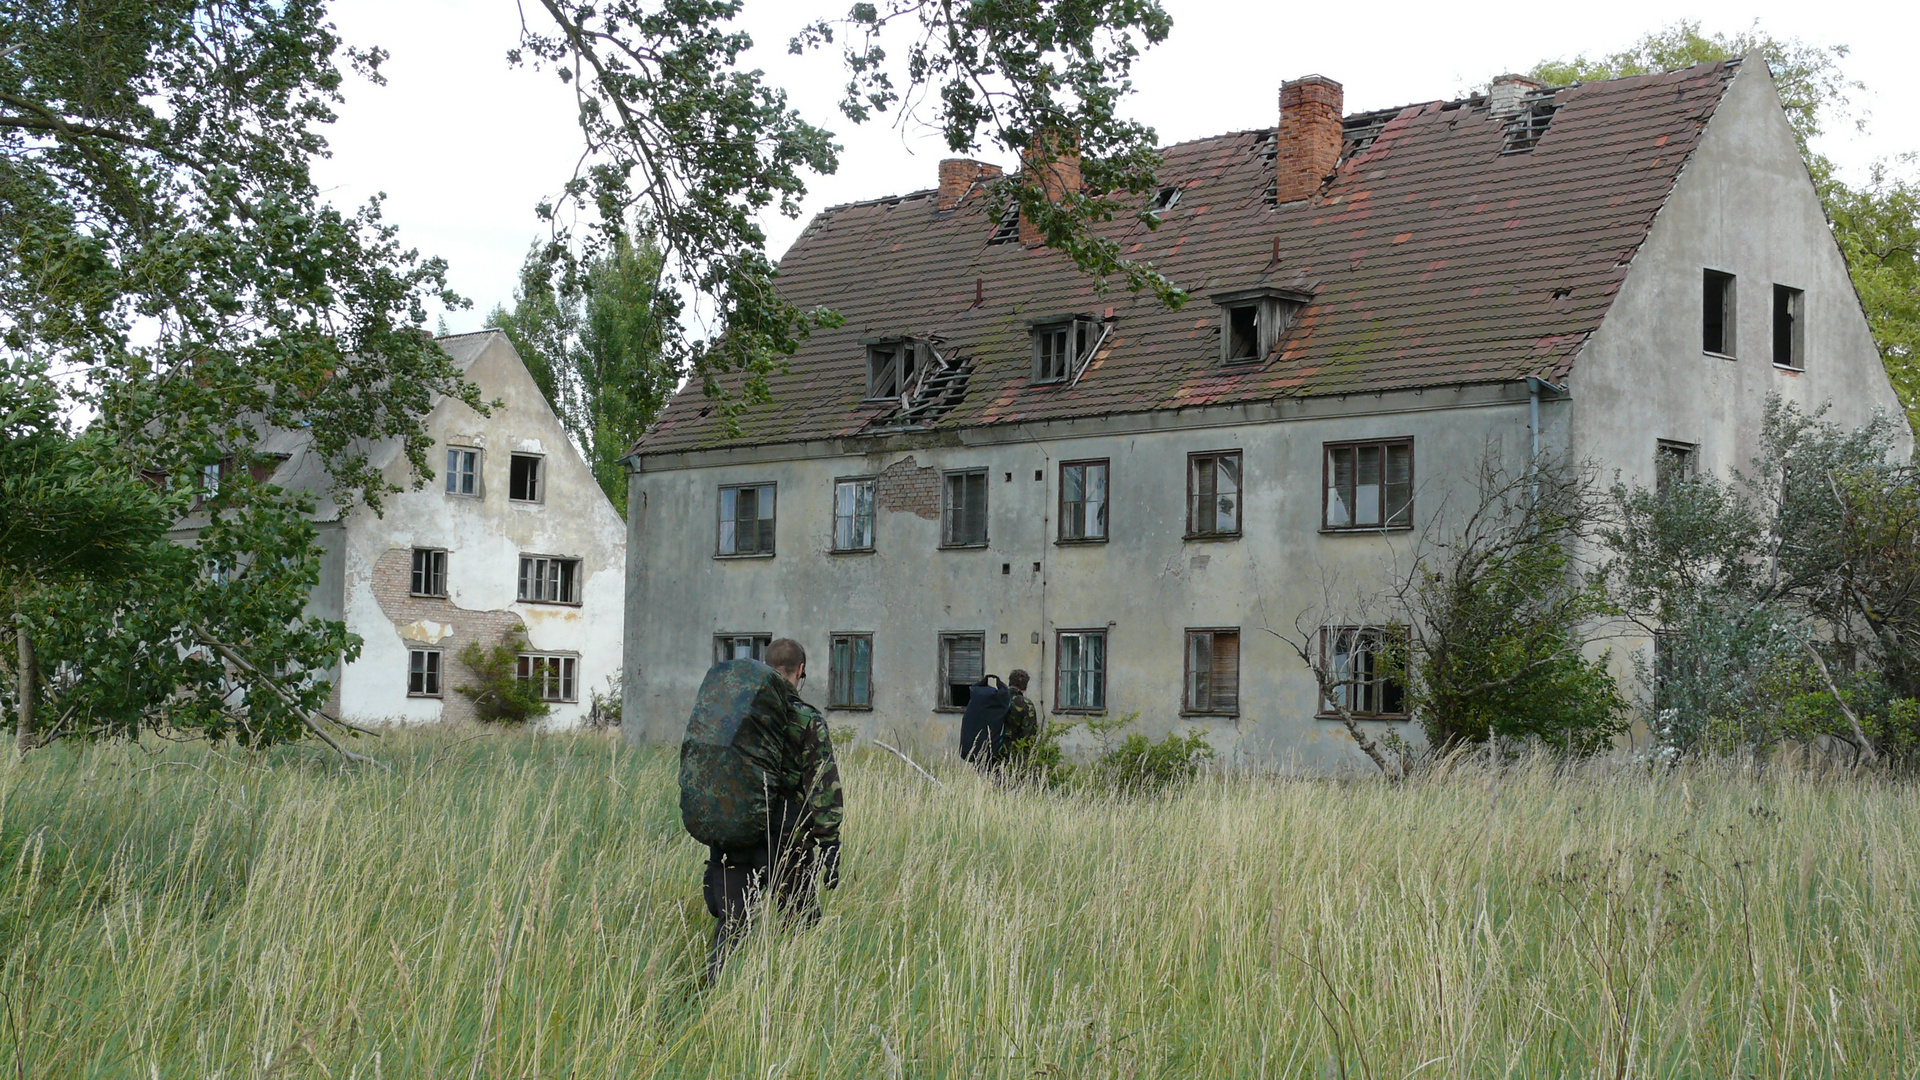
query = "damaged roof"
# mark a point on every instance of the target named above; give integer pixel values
(1435, 256)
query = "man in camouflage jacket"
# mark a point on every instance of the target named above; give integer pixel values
(1022, 722)
(802, 848)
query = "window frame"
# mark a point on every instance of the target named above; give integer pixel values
(947, 477)
(569, 674)
(1060, 670)
(1080, 338)
(904, 360)
(943, 655)
(439, 565)
(1796, 336)
(1274, 313)
(835, 701)
(1239, 516)
(1326, 711)
(719, 520)
(1672, 449)
(757, 644)
(539, 478)
(1386, 519)
(1729, 311)
(1060, 501)
(522, 577)
(873, 514)
(476, 459)
(1188, 707)
(432, 666)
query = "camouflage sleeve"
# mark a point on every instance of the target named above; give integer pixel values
(1022, 721)
(825, 803)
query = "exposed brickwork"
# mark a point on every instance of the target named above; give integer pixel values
(1061, 179)
(1310, 136)
(905, 487)
(420, 620)
(960, 177)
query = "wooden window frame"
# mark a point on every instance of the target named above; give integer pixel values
(527, 574)
(1790, 303)
(757, 644)
(1188, 706)
(539, 478)
(1240, 511)
(1080, 337)
(436, 570)
(719, 521)
(568, 680)
(1387, 524)
(1729, 311)
(1061, 504)
(873, 514)
(433, 667)
(947, 478)
(836, 675)
(1664, 450)
(476, 458)
(1060, 704)
(941, 647)
(1326, 710)
(1274, 311)
(889, 378)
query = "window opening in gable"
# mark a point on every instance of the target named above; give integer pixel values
(524, 479)
(547, 580)
(1529, 125)
(463, 471)
(1674, 463)
(1717, 312)
(1788, 338)
(1009, 226)
(963, 662)
(429, 572)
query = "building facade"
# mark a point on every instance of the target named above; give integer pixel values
(992, 465)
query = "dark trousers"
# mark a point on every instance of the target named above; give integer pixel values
(735, 887)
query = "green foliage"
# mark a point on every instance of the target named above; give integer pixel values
(1878, 229)
(1139, 766)
(1040, 759)
(498, 695)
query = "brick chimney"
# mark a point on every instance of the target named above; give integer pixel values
(1309, 138)
(1057, 181)
(958, 177)
(1503, 97)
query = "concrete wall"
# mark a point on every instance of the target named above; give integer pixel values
(1146, 586)
(484, 538)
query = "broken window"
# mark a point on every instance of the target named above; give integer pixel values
(548, 580)
(890, 368)
(1060, 348)
(525, 482)
(1008, 226)
(549, 676)
(1213, 671)
(746, 519)
(423, 672)
(1080, 674)
(741, 647)
(1252, 321)
(964, 509)
(1369, 485)
(853, 514)
(1165, 199)
(463, 471)
(963, 662)
(1083, 501)
(1362, 665)
(1213, 494)
(850, 672)
(1529, 124)
(429, 572)
(1787, 337)
(1716, 312)
(1673, 463)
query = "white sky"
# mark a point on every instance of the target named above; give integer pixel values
(464, 147)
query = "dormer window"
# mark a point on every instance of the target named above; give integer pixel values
(1165, 199)
(890, 367)
(1061, 346)
(1253, 320)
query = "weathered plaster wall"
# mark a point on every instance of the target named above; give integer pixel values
(1146, 586)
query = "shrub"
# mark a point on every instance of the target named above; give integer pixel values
(1140, 766)
(498, 695)
(1040, 759)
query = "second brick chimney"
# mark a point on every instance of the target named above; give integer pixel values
(1309, 139)
(958, 176)
(1058, 180)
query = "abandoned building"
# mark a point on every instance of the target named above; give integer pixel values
(994, 465)
(513, 533)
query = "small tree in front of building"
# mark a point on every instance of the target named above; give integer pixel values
(498, 693)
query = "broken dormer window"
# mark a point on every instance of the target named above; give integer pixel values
(1165, 199)
(1526, 126)
(1060, 347)
(1009, 226)
(1252, 322)
(890, 368)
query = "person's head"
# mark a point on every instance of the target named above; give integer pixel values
(1018, 678)
(789, 659)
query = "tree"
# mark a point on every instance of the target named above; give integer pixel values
(1877, 226)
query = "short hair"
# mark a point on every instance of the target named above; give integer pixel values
(1018, 678)
(786, 655)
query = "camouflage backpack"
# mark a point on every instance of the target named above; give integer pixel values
(730, 756)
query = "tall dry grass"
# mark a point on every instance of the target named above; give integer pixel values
(528, 907)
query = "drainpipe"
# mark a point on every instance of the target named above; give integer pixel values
(1535, 384)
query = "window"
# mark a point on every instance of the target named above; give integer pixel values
(550, 677)
(1788, 341)
(463, 471)
(1716, 313)
(740, 646)
(547, 580)
(525, 482)
(964, 509)
(1369, 485)
(1362, 665)
(1213, 494)
(1083, 501)
(1165, 199)
(1080, 672)
(429, 572)
(1253, 320)
(1526, 127)
(1243, 334)
(746, 520)
(963, 661)
(423, 672)
(853, 514)
(1213, 672)
(1060, 347)
(1674, 462)
(1008, 226)
(850, 672)
(890, 368)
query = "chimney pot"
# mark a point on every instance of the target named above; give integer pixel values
(1503, 97)
(958, 177)
(1307, 146)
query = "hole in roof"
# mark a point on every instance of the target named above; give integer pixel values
(1529, 125)
(1009, 226)
(1166, 198)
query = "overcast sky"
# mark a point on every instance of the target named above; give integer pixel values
(464, 146)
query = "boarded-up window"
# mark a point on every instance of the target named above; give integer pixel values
(1213, 494)
(1369, 485)
(963, 662)
(746, 519)
(964, 509)
(1213, 671)
(850, 672)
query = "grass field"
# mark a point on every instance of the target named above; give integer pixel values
(521, 906)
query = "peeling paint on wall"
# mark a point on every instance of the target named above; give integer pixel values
(439, 622)
(905, 487)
